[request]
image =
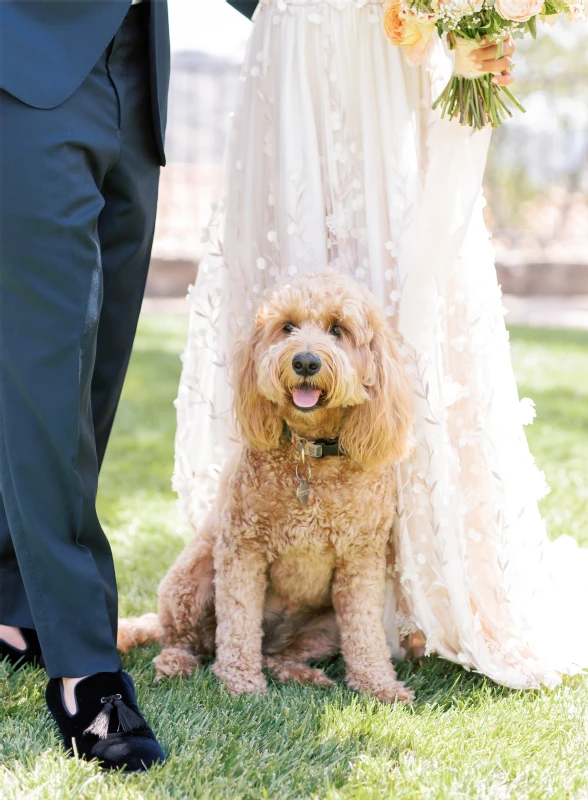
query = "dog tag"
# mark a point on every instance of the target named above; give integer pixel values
(303, 492)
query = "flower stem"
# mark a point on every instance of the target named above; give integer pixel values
(476, 101)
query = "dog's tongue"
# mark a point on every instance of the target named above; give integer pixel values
(305, 397)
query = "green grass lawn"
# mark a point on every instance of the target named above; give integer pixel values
(464, 737)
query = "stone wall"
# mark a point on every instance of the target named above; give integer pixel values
(171, 278)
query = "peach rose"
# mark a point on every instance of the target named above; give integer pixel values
(406, 29)
(519, 10)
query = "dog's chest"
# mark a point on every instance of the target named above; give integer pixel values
(301, 575)
(345, 504)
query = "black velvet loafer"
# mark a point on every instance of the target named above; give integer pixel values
(108, 726)
(32, 656)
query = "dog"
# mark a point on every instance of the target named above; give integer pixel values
(289, 566)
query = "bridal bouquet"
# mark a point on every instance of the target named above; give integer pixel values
(471, 94)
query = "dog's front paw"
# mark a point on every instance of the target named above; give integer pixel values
(395, 692)
(240, 681)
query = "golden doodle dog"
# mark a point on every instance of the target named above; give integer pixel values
(289, 567)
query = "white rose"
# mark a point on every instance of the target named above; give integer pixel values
(576, 12)
(458, 8)
(519, 10)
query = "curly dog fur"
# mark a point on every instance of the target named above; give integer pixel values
(266, 580)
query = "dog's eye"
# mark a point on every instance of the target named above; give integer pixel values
(336, 331)
(289, 327)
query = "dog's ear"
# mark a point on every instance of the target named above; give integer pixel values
(257, 417)
(376, 432)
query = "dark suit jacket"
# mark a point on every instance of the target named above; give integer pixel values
(246, 7)
(48, 47)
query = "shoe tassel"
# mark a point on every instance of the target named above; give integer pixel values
(128, 720)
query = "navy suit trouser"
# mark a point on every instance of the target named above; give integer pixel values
(78, 194)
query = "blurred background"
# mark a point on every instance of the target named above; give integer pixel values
(536, 182)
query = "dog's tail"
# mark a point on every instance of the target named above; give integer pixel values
(133, 631)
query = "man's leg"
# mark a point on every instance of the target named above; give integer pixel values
(125, 231)
(126, 224)
(18, 639)
(53, 166)
(53, 192)
(14, 606)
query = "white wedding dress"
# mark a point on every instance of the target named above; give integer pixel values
(336, 158)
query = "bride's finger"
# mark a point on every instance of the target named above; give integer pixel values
(490, 53)
(505, 79)
(497, 65)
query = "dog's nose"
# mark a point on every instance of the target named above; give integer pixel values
(306, 364)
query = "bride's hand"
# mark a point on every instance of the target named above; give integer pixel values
(487, 57)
